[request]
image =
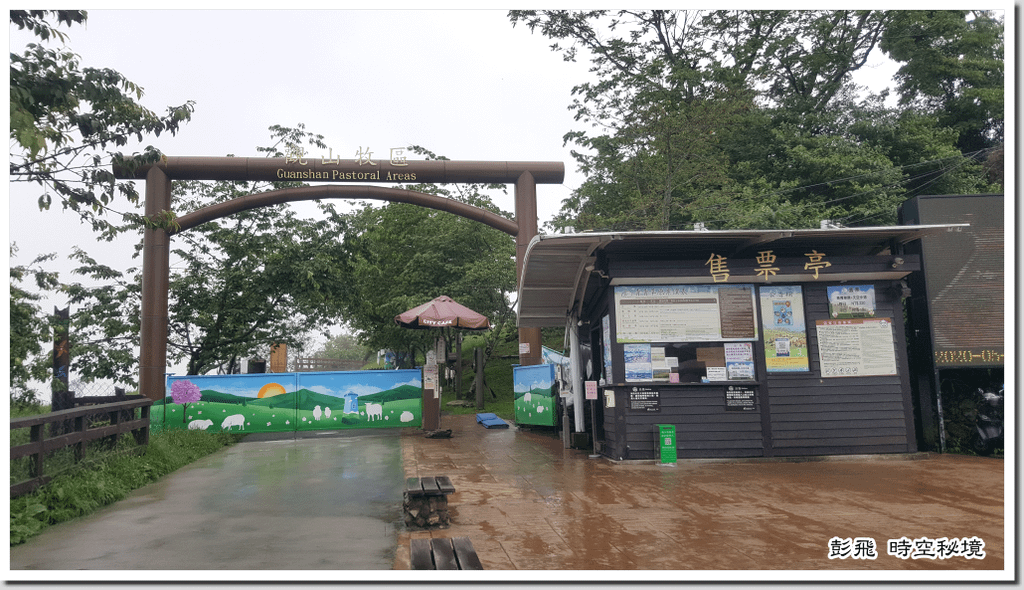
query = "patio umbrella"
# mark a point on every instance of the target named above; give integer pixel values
(442, 312)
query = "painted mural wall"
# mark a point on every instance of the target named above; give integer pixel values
(285, 402)
(534, 387)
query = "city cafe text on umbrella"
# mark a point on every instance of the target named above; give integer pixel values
(446, 314)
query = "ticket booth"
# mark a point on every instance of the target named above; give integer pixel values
(751, 343)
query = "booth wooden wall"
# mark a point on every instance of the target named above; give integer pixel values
(796, 413)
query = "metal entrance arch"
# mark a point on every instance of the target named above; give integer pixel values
(156, 242)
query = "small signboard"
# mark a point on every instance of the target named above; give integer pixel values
(740, 399)
(644, 399)
(591, 389)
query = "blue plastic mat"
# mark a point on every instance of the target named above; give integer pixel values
(491, 421)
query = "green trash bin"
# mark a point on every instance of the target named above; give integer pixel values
(667, 442)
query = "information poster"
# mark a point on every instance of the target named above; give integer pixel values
(606, 344)
(660, 369)
(785, 334)
(740, 399)
(644, 399)
(638, 362)
(739, 361)
(851, 301)
(856, 347)
(684, 313)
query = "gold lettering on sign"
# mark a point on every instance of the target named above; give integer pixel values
(328, 160)
(398, 157)
(364, 157)
(765, 259)
(816, 263)
(341, 175)
(719, 270)
(295, 155)
(308, 174)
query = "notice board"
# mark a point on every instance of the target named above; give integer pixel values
(856, 347)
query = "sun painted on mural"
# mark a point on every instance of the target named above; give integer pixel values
(270, 390)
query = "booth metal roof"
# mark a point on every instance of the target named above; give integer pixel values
(557, 267)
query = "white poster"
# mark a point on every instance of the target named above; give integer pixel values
(856, 347)
(684, 313)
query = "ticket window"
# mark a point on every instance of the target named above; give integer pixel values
(709, 362)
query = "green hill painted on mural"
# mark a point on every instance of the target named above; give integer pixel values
(401, 392)
(285, 400)
(533, 392)
(212, 395)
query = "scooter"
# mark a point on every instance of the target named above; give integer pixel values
(989, 423)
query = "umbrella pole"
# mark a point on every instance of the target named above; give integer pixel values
(458, 365)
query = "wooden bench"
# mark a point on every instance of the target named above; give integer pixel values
(456, 553)
(426, 501)
(440, 485)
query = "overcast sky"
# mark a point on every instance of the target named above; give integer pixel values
(462, 83)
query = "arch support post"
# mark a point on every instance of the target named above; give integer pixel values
(526, 219)
(155, 276)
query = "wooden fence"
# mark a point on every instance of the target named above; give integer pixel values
(310, 364)
(75, 428)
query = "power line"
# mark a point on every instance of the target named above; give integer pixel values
(962, 159)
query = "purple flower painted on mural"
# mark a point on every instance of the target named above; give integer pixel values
(184, 392)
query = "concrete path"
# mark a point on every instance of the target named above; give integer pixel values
(333, 502)
(528, 504)
(319, 503)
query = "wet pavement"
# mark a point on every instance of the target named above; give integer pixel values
(333, 502)
(316, 503)
(528, 504)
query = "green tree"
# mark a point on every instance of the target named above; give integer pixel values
(67, 121)
(239, 284)
(344, 346)
(29, 327)
(952, 68)
(401, 256)
(740, 119)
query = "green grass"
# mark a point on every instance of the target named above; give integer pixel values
(108, 478)
(497, 373)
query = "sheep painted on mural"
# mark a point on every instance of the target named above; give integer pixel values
(374, 410)
(316, 413)
(327, 413)
(233, 420)
(200, 424)
(527, 397)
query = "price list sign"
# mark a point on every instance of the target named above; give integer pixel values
(684, 313)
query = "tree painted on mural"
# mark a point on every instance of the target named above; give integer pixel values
(184, 392)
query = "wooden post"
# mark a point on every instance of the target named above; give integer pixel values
(478, 354)
(61, 397)
(155, 280)
(526, 219)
